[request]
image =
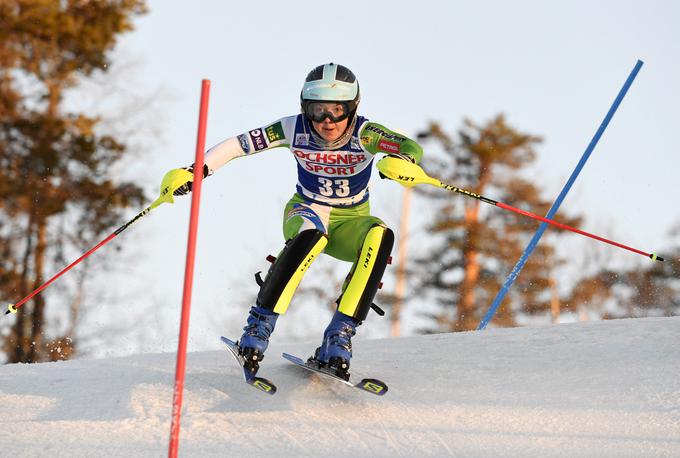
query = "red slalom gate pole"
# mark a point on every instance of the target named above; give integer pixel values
(189, 272)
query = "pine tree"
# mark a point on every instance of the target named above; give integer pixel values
(475, 245)
(54, 165)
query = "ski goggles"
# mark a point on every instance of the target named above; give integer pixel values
(318, 111)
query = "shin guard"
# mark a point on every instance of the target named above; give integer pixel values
(287, 271)
(363, 281)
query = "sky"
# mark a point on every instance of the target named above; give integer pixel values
(553, 68)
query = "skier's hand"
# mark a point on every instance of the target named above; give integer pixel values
(397, 156)
(177, 182)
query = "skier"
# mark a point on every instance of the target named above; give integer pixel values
(334, 148)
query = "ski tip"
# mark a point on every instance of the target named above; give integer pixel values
(373, 386)
(262, 384)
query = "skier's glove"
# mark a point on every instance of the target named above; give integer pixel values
(186, 187)
(178, 182)
(398, 156)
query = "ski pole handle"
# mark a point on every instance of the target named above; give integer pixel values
(12, 308)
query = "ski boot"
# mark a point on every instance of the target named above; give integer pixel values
(255, 338)
(335, 352)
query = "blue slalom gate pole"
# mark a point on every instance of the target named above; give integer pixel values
(556, 205)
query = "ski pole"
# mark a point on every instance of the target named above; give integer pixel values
(12, 308)
(409, 174)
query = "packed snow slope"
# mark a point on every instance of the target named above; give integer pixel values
(594, 389)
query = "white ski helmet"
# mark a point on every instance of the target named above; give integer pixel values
(331, 83)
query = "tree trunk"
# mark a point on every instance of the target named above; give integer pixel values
(36, 351)
(38, 316)
(20, 350)
(554, 300)
(395, 325)
(466, 319)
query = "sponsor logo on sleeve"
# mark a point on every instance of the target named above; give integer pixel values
(275, 132)
(382, 133)
(302, 139)
(243, 140)
(388, 146)
(259, 142)
(366, 140)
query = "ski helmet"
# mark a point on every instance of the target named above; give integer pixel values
(331, 83)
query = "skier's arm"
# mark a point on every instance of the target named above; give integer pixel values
(178, 182)
(252, 142)
(376, 138)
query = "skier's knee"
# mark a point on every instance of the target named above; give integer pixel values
(364, 279)
(287, 271)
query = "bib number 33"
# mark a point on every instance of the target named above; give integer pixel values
(333, 188)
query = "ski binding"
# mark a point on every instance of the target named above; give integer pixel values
(260, 383)
(370, 385)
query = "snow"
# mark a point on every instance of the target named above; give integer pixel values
(607, 389)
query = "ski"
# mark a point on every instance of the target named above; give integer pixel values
(370, 385)
(260, 383)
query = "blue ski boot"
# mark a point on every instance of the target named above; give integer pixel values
(255, 338)
(336, 350)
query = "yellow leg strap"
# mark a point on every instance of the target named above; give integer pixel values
(351, 297)
(287, 294)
